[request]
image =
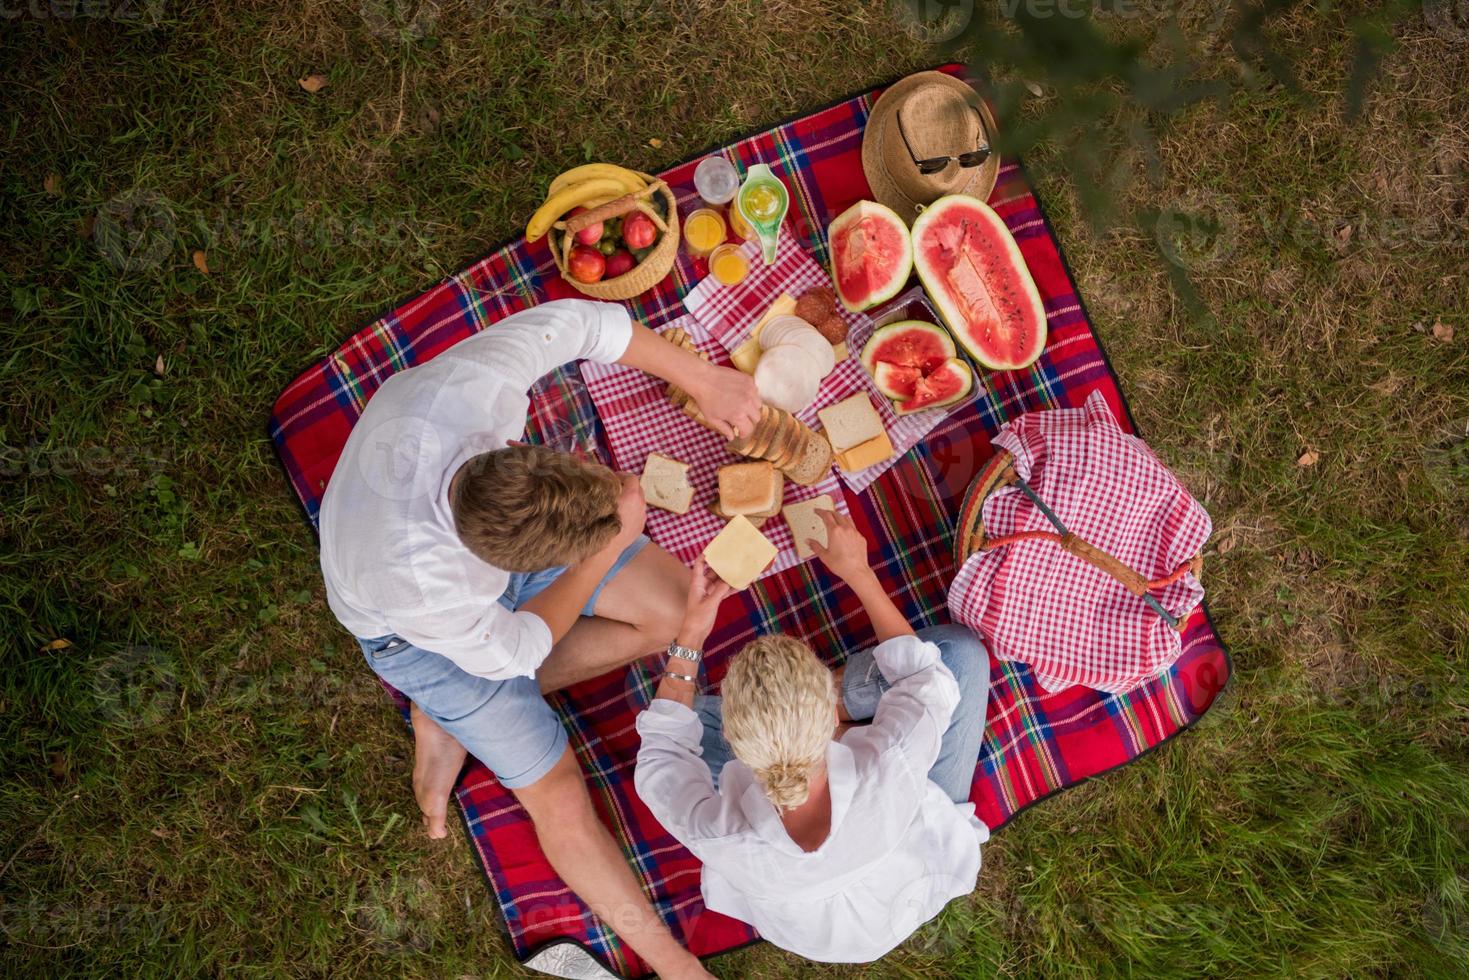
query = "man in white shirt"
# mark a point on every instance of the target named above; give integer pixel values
(835, 842)
(478, 574)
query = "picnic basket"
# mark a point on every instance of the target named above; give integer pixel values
(655, 265)
(970, 536)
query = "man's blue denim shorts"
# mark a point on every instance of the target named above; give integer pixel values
(507, 724)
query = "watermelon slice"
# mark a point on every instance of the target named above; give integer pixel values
(871, 255)
(895, 381)
(945, 385)
(908, 343)
(912, 362)
(974, 273)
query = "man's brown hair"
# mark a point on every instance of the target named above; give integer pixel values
(529, 508)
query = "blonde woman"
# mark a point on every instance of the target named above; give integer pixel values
(835, 840)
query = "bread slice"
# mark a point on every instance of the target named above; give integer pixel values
(665, 483)
(851, 422)
(784, 445)
(801, 518)
(812, 463)
(869, 453)
(739, 553)
(749, 488)
(767, 431)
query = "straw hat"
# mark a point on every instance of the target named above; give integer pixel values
(940, 116)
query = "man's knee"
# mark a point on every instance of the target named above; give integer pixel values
(559, 796)
(664, 617)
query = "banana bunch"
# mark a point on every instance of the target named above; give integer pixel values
(590, 185)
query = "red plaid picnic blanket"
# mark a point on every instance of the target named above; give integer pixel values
(1035, 743)
(1069, 620)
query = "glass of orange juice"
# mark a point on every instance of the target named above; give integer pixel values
(728, 264)
(702, 231)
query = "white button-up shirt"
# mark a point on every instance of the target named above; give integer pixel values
(389, 552)
(899, 848)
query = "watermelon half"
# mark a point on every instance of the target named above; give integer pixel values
(871, 255)
(973, 271)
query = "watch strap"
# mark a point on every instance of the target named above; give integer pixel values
(684, 653)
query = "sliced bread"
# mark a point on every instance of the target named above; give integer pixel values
(665, 483)
(813, 461)
(805, 524)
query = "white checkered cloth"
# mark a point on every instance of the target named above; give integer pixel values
(639, 419)
(729, 313)
(1037, 604)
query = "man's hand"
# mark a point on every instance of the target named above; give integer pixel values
(706, 591)
(728, 398)
(632, 510)
(845, 551)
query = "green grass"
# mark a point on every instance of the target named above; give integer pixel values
(207, 779)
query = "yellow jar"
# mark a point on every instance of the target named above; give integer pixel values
(703, 230)
(728, 264)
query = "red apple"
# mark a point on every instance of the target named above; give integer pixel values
(638, 230)
(586, 264)
(589, 234)
(619, 262)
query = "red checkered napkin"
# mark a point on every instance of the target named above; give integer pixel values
(640, 419)
(729, 313)
(1037, 604)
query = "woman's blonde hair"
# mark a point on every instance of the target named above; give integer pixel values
(779, 715)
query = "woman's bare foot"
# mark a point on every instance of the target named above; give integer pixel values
(437, 759)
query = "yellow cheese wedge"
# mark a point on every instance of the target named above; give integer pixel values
(739, 553)
(869, 453)
(746, 357)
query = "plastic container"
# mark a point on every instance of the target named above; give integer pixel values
(716, 180)
(911, 304)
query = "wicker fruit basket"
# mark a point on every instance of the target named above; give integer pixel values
(657, 202)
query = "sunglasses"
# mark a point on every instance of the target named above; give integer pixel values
(932, 165)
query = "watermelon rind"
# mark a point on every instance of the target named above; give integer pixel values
(902, 270)
(953, 318)
(954, 364)
(885, 333)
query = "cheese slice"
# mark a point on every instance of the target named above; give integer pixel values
(746, 357)
(739, 553)
(869, 453)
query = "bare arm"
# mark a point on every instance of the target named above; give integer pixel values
(706, 592)
(845, 553)
(727, 397)
(560, 604)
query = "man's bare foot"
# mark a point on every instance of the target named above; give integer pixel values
(692, 971)
(437, 759)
